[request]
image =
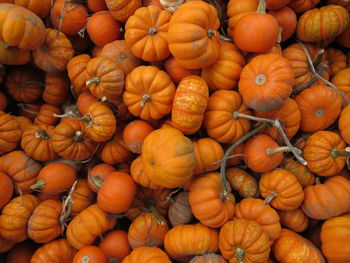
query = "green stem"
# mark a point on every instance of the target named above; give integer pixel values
(39, 184)
(261, 7)
(336, 153)
(240, 254)
(230, 149)
(95, 80)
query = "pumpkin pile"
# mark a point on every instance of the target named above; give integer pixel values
(161, 131)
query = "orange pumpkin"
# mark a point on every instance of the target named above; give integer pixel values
(287, 19)
(6, 189)
(242, 182)
(147, 255)
(266, 82)
(337, 60)
(115, 245)
(303, 174)
(177, 72)
(82, 197)
(146, 33)
(342, 81)
(300, 6)
(343, 124)
(91, 254)
(77, 73)
(137, 173)
(295, 220)
(47, 115)
(134, 133)
(122, 9)
(56, 88)
(10, 133)
(149, 93)
(343, 39)
(115, 151)
(98, 174)
(20, 253)
(193, 36)
(208, 258)
(13, 55)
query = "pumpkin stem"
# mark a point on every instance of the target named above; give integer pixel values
(39, 184)
(225, 39)
(93, 81)
(237, 115)
(42, 134)
(171, 5)
(152, 31)
(270, 197)
(85, 259)
(95, 181)
(22, 107)
(319, 58)
(169, 197)
(228, 152)
(113, 260)
(260, 79)
(261, 7)
(240, 254)
(211, 33)
(66, 207)
(78, 137)
(279, 38)
(145, 98)
(317, 180)
(282, 149)
(336, 153)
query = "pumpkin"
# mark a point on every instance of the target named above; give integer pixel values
(70, 141)
(149, 200)
(337, 60)
(198, 47)
(115, 245)
(343, 124)
(77, 73)
(137, 173)
(190, 103)
(103, 28)
(287, 19)
(40, 8)
(321, 113)
(24, 173)
(20, 253)
(303, 174)
(13, 55)
(290, 116)
(295, 220)
(243, 240)
(43, 224)
(98, 174)
(168, 157)
(23, 84)
(311, 28)
(115, 151)
(106, 79)
(295, 53)
(57, 251)
(87, 225)
(23, 122)
(276, 49)
(6, 245)
(334, 231)
(147, 230)
(324, 201)
(91, 254)
(180, 212)
(15, 31)
(236, 9)
(301, 6)
(260, 154)
(147, 255)
(36, 142)
(149, 93)
(210, 205)
(115, 186)
(6, 189)
(342, 81)
(256, 32)
(134, 133)
(208, 155)
(100, 122)
(54, 54)
(254, 209)
(242, 182)
(82, 197)
(96, 5)
(55, 177)
(10, 133)
(47, 114)
(292, 247)
(177, 72)
(218, 118)
(225, 72)
(56, 88)
(325, 153)
(69, 17)
(281, 189)
(266, 82)
(15, 215)
(191, 240)
(146, 33)
(122, 9)
(208, 258)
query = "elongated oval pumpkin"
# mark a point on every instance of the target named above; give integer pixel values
(193, 35)
(168, 157)
(190, 103)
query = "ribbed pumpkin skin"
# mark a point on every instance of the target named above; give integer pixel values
(57, 251)
(122, 9)
(87, 225)
(191, 240)
(254, 209)
(15, 215)
(20, 27)
(295, 220)
(147, 255)
(43, 224)
(180, 212)
(190, 103)
(324, 201)
(304, 175)
(10, 132)
(208, 258)
(342, 81)
(343, 123)
(322, 24)
(242, 182)
(335, 231)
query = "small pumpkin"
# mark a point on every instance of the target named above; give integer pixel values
(82, 197)
(180, 212)
(90, 254)
(295, 220)
(6, 189)
(15, 215)
(342, 81)
(266, 82)
(208, 258)
(343, 124)
(10, 133)
(134, 133)
(337, 60)
(56, 88)
(13, 55)
(343, 39)
(96, 5)
(98, 174)
(47, 114)
(43, 224)
(115, 151)
(115, 245)
(177, 72)
(242, 182)
(137, 173)
(303, 174)
(122, 9)
(77, 73)
(287, 19)
(147, 255)
(281, 189)
(40, 8)
(301, 6)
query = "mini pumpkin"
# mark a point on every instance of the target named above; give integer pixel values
(242, 182)
(295, 220)
(10, 133)
(122, 9)
(115, 245)
(180, 212)
(343, 124)
(147, 255)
